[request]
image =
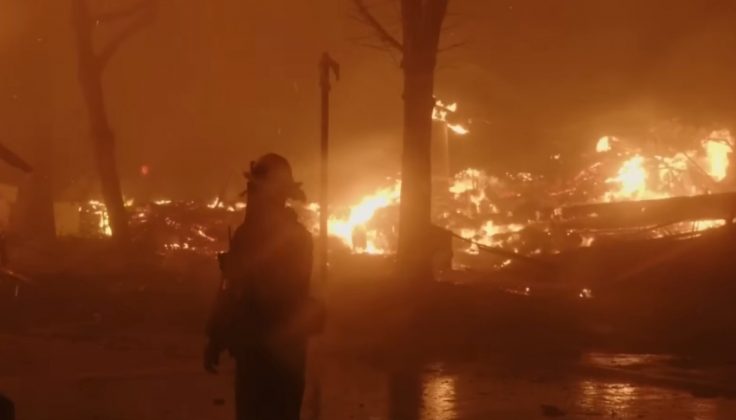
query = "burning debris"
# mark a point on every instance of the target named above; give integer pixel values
(625, 193)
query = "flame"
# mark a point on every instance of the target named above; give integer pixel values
(458, 129)
(701, 225)
(472, 184)
(631, 179)
(99, 209)
(358, 217)
(642, 177)
(441, 111)
(717, 149)
(603, 145)
(216, 204)
(489, 234)
(492, 211)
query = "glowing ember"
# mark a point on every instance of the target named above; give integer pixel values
(585, 294)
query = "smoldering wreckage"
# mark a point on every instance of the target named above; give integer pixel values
(609, 241)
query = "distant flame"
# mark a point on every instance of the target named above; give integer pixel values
(440, 113)
(631, 179)
(603, 145)
(99, 209)
(458, 129)
(717, 152)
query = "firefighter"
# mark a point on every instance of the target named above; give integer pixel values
(7, 409)
(264, 314)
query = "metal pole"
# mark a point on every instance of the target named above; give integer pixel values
(327, 67)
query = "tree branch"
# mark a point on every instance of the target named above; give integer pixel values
(452, 46)
(127, 12)
(112, 47)
(371, 21)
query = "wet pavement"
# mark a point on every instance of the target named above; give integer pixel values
(132, 377)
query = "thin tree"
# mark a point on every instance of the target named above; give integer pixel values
(91, 67)
(421, 26)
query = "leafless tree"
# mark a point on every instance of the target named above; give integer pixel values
(421, 26)
(92, 64)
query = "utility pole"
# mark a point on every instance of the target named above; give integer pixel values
(327, 67)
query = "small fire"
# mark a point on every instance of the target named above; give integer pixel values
(490, 233)
(440, 113)
(99, 209)
(472, 184)
(458, 129)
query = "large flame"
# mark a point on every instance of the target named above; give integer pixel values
(355, 220)
(631, 181)
(645, 177)
(718, 148)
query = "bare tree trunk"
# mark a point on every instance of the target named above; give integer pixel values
(421, 27)
(91, 66)
(414, 255)
(421, 22)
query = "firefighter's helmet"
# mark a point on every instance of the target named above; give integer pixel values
(273, 172)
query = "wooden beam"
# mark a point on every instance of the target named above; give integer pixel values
(650, 212)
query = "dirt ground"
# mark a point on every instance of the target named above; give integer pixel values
(86, 376)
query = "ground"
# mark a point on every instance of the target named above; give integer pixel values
(140, 376)
(90, 341)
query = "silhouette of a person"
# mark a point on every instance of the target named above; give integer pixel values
(260, 315)
(7, 409)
